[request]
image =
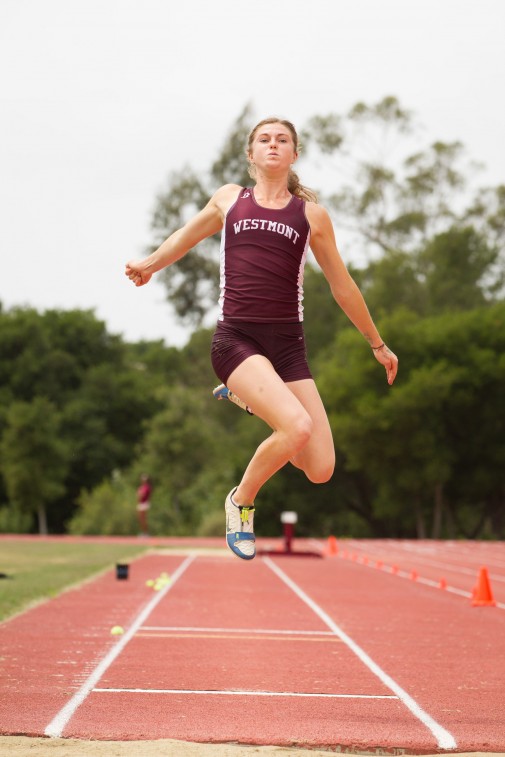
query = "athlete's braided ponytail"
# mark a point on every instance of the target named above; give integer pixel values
(294, 185)
(296, 188)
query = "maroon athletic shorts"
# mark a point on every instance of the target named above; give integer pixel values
(282, 343)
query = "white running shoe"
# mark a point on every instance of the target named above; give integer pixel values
(239, 528)
(222, 392)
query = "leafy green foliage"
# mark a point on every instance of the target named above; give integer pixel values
(88, 413)
(454, 266)
(230, 167)
(192, 284)
(74, 403)
(393, 197)
(108, 509)
(429, 448)
(33, 457)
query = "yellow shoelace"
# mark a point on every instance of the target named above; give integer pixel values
(244, 514)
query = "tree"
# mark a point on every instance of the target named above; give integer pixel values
(177, 448)
(109, 508)
(449, 273)
(101, 391)
(391, 198)
(192, 284)
(404, 206)
(454, 266)
(427, 456)
(34, 459)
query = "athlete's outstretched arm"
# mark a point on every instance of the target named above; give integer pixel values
(344, 288)
(206, 223)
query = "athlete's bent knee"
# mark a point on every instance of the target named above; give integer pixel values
(300, 431)
(320, 476)
(321, 471)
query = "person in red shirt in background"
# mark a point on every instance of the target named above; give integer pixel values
(144, 503)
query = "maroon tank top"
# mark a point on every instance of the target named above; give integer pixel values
(263, 254)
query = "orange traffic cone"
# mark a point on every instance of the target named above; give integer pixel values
(482, 594)
(332, 546)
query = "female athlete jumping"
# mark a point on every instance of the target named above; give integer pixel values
(258, 349)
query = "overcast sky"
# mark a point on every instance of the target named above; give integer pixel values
(101, 99)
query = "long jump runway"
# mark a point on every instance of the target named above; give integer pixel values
(291, 651)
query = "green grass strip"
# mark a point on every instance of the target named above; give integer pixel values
(41, 570)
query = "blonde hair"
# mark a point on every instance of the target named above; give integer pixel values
(294, 184)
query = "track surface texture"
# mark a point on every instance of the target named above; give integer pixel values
(374, 648)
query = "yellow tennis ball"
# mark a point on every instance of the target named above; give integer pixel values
(117, 630)
(150, 582)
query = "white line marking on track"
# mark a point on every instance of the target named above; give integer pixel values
(450, 567)
(444, 739)
(242, 692)
(434, 584)
(420, 580)
(469, 554)
(58, 723)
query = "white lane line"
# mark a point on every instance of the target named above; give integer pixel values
(444, 739)
(419, 579)
(58, 723)
(436, 585)
(427, 582)
(426, 555)
(244, 693)
(200, 629)
(476, 555)
(449, 567)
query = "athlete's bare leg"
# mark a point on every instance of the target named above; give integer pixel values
(296, 414)
(317, 458)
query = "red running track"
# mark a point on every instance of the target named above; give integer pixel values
(328, 653)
